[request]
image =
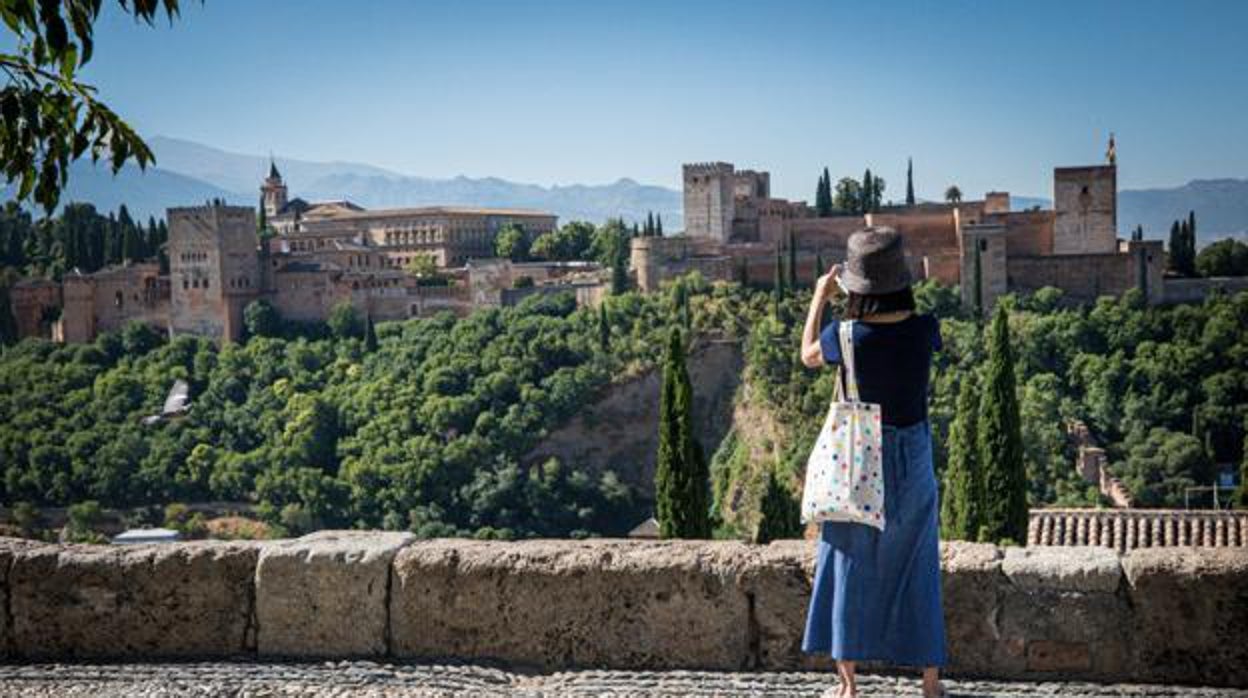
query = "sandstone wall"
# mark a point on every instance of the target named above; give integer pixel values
(1177, 615)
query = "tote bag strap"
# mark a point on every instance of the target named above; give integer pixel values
(848, 377)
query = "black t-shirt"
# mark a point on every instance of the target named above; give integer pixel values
(893, 361)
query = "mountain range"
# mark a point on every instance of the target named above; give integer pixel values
(187, 173)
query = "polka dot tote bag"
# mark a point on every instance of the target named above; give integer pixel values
(844, 478)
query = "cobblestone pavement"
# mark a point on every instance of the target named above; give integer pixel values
(380, 680)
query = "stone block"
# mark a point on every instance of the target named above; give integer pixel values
(971, 586)
(1190, 615)
(9, 547)
(558, 604)
(1063, 568)
(1066, 657)
(163, 600)
(325, 594)
(777, 582)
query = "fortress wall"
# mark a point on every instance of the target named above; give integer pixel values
(1082, 277)
(1030, 233)
(1173, 615)
(1196, 290)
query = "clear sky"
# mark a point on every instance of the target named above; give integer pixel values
(987, 95)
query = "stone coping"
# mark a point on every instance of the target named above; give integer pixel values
(1162, 615)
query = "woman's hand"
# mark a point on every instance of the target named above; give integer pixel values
(826, 286)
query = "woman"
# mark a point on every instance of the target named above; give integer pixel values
(876, 593)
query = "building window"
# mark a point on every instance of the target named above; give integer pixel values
(118, 299)
(983, 245)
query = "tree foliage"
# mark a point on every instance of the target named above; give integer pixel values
(682, 480)
(1004, 512)
(962, 503)
(50, 117)
(780, 514)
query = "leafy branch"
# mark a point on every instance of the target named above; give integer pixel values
(51, 118)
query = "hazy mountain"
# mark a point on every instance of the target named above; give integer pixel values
(374, 187)
(145, 193)
(1221, 207)
(190, 173)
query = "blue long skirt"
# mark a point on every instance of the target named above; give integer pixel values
(876, 594)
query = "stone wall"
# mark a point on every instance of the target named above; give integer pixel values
(1159, 615)
(1195, 290)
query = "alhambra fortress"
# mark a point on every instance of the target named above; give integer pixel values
(325, 253)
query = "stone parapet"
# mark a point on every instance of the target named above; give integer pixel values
(1177, 615)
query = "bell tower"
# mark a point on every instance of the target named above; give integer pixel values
(273, 191)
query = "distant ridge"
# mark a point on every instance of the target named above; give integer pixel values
(188, 172)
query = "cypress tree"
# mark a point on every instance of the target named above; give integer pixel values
(864, 194)
(619, 268)
(8, 323)
(909, 182)
(649, 223)
(1190, 255)
(778, 282)
(1001, 442)
(961, 506)
(604, 327)
(1175, 246)
(1241, 493)
(370, 334)
(792, 261)
(682, 488)
(658, 225)
(262, 222)
(779, 513)
(979, 287)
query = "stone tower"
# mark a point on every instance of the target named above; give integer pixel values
(988, 239)
(214, 269)
(1086, 203)
(273, 191)
(709, 203)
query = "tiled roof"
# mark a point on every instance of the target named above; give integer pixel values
(1127, 529)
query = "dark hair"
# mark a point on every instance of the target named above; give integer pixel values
(860, 305)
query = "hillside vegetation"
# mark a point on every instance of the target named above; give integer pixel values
(429, 431)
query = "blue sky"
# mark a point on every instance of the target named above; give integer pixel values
(985, 95)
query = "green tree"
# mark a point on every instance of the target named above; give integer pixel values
(962, 504)
(1000, 441)
(658, 225)
(953, 194)
(604, 328)
(261, 319)
(977, 289)
(8, 323)
(909, 182)
(512, 243)
(848, 196)
(1228, 257)
(1240, 498)
(344, 321)
(53, 41)
(780, 514)
(792, 261)
(823, 195)
(83, 519)
(370, 334)
(682, 480)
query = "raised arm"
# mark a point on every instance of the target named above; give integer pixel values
(812, 353)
